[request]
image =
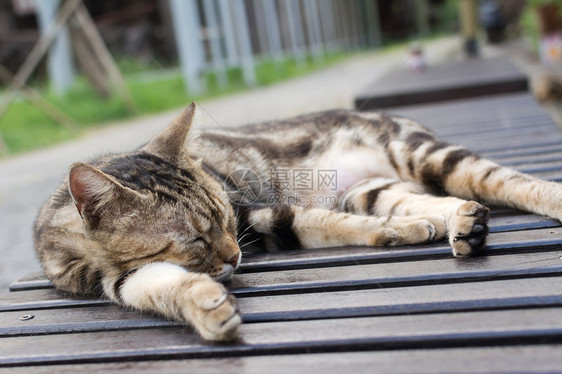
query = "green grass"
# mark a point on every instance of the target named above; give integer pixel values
(24, 127)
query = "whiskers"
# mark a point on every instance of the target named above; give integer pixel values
(245, 234)
(249, 243)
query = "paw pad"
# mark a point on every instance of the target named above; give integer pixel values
(468, 230)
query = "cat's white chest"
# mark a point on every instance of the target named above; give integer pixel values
(354, 165)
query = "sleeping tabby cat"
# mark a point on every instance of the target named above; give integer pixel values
(158, 229)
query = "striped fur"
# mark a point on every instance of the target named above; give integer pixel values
(155, 229)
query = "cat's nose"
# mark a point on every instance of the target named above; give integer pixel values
(234, 260)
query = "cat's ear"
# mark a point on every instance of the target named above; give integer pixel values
(95, 193)
(172, 140)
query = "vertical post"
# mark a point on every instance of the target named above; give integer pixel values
(330, 22)
(272, 28)
(261, 32)
(214, 41)
(374, 35)
(243, 34)
(295, 29)
(60, 67)
(324, 22)
(313, 29)
(335, 24)
(350, 23)
(358, 22)
(187, 30)
(339, 13)
(225, 13)
(355, 23)
(363, 28)
(468, 17)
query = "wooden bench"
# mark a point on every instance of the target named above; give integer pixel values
(453, 81)
(352, 309)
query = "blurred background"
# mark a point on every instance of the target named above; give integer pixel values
(161, 53)
(69, 67)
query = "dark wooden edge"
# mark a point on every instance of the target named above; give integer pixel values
(405, 253)
(422, 341)
(532, 150)
(370, 283)
(535, 302)
(513, 359)
(440, 94)
(55, 304)
(392, 282)
(520, 147)
(525, 225)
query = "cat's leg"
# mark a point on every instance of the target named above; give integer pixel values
(170, 290)
(466, 220)
(295, 226)
(453, 170)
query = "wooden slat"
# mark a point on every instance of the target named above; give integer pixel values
(350, 334)
(71, 320)
(517, 221)
(481, 294)
(521, 359)
(553, 175)
(502, 110)
(485, 144)
(492, 127)
(45, 299)
(521, 149)
(500, 117)
(491, 143)
(498, 243)
(524, 152)
(399, 274)
(393, 274)
(500, 224)
(531, 293)
(375, 301)
(464, 79)
(531, 159)
(480, 123)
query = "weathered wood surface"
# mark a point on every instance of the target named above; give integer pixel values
(510, 129)
(467, 295)
(546, 236)
(452, 81)
(353, 309)
(409, 331)
(521, 359)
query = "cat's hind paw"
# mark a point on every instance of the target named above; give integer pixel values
(215, 314)
(468, 229)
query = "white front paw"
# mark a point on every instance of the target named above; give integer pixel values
(215, 314)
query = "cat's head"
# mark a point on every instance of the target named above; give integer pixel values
(158, 205)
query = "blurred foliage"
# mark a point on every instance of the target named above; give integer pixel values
(541, 2)
(24, 127)
(530, 22)
(446, 16)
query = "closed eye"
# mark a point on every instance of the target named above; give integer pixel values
(199, 242)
